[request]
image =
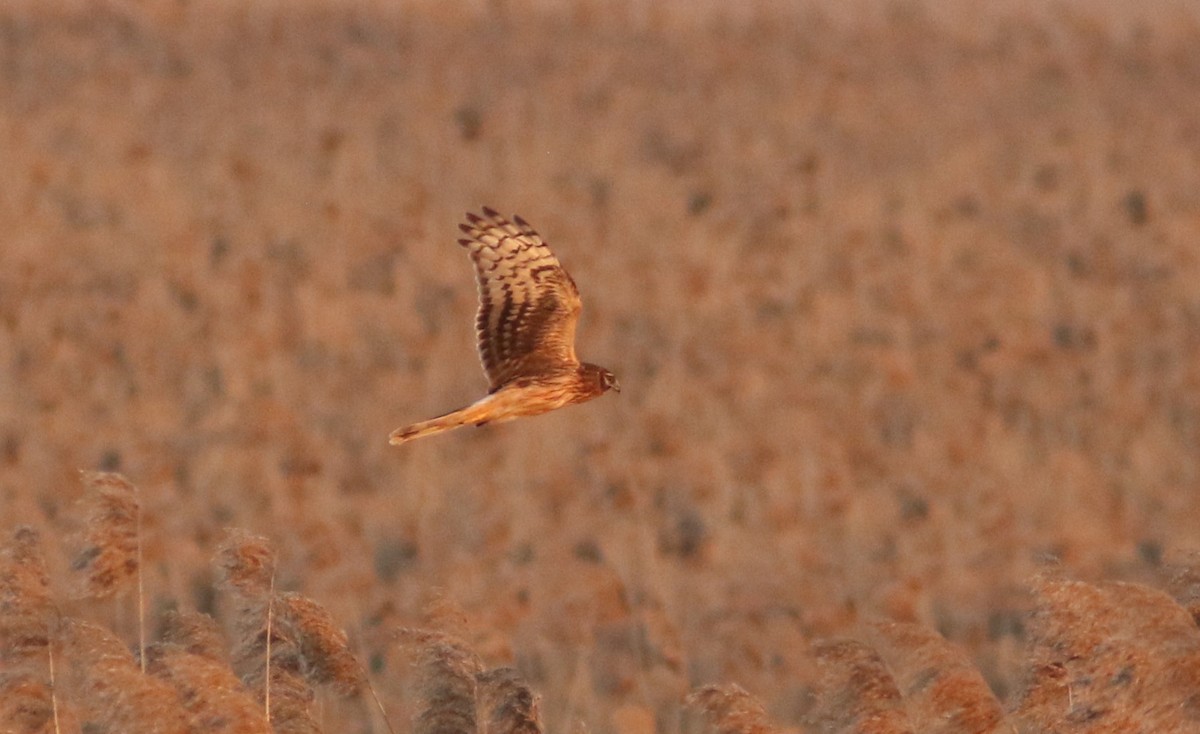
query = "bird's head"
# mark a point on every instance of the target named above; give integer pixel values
(603, 379)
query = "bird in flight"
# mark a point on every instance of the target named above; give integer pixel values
(528, 308)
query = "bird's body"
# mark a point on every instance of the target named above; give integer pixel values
(528, 308)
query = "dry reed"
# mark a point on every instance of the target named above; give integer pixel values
(1118, 656)
(324, 648)
(447, 680)
(269, 661)
(857, 692)
(111, 554)
(111, 693)
(1184, 583)
(196, 633)
(506, 704)
(286, 642)
(247, 564)
(27, 609)
(891, 275)
(730, 709)
(943, 691)
(291, 702)
(26, 705)
(28, 617)
(213, 697)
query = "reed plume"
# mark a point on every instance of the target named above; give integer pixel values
(213, 698)
(447, 672)
(112, 693)
(943, 691)
(730, 709)
(324, 649)
(247, 564)
(111, 555)
(857, 693)
(28, 618)
(506, 703)
(196, 633)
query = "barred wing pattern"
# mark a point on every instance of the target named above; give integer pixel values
(528, 308)
(528, 304)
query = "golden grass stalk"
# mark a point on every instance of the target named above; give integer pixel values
(857, 692)
(112, 693)
(111, 556)
(506, 703)
(730, 709)
(447, 672)
(942, 690)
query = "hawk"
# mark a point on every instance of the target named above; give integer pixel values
(528, 308)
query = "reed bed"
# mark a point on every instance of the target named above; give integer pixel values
(903, 298)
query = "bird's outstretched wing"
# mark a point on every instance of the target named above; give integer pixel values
(528, 304)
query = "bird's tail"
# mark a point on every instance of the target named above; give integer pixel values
(472, 414)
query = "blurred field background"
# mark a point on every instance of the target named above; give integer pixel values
(904, 301)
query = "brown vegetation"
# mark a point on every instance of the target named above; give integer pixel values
(906, 313)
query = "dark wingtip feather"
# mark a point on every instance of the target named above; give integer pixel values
(488, 211)
(466, 228)
(473, 217)
(464, 243)
(520, 221)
